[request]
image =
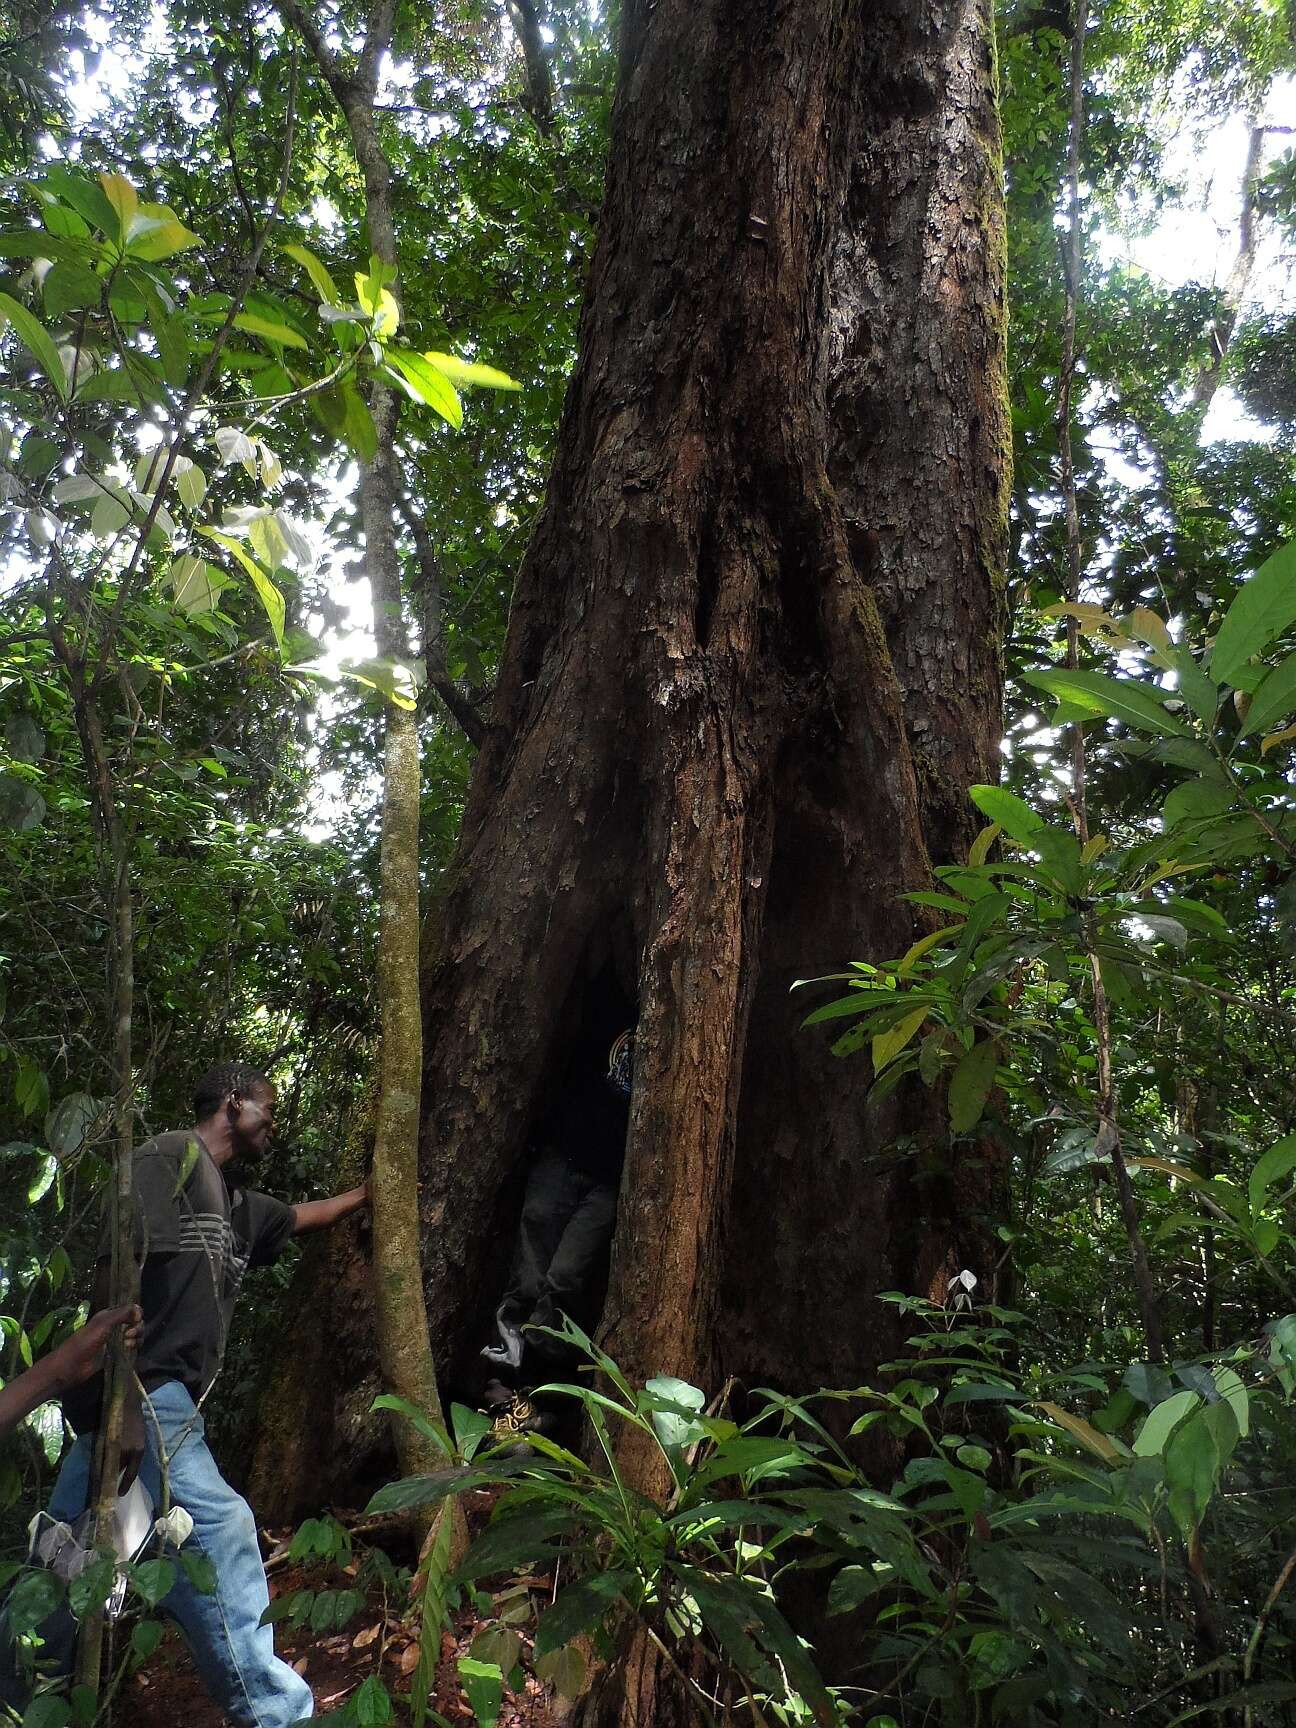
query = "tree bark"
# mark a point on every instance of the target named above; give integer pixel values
(1234, 294)
(751, 668)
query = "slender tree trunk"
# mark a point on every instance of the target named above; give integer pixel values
(404, 1350)
(1239, 277)
(752, 665)
(1108, 1142)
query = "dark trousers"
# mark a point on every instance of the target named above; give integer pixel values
(567, 1221)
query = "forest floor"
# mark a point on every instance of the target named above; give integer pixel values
(380, 1638)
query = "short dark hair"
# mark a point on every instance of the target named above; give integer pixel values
(222, 1082)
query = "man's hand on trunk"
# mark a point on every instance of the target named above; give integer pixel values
(319, 1214)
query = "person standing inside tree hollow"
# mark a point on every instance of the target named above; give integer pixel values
(568, 1214)
(196, 1232)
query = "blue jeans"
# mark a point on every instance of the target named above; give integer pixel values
(232, 1651)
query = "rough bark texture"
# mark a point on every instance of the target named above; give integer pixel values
(751, 669)
(316, 1442)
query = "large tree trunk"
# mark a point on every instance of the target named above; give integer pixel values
(751, 669)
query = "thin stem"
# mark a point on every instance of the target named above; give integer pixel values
(1262, 1622)
(1109, 1135)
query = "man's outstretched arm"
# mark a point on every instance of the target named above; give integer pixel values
(73, 1363)
(319, 1214)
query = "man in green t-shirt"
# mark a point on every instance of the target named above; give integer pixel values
(196, 1232)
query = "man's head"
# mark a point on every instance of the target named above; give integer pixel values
(242, 1100)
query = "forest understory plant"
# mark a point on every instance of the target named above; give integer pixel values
(1031, 1559)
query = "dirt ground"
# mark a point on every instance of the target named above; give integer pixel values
(166, 1692)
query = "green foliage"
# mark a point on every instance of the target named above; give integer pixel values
(1031, 1508)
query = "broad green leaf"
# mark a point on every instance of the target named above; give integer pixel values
(1192, 1464)
(123, 198)
(426, 384)
(471, 372)
(78, 489)
(48, 1710)
(70, 288)
(271, 466)
(484, 1684)
(581, 1607)
(195, 583)
(268, 542)
(562, 1669)
(357, 424)
(378, 301)
(499, 1645)
(43, 1180)
(1275, 697)
(1162, 1420)
(270, 329)
(1059, 852)
(1198, 691)
(1013, 814)
(324, 284)
(858, 1002)
(154, 233)
(86, 196)
(371, 1706)
(1087, 615)
(398, 680)
(979, 850)
(149, 468)
(888, 1045)
(1262, 609)
(21, 806)
(109, 516)
(152, 1579)
(113, 384)
(1100, 697)
(37, 340)
(1277, 1162)
(923, 944)
(271, 599)
(1164, 929)
(1097, 1442)
(1197, 800)
(36, 243)
(172, 346)
(69, 1123)
(24, 738)
(674, 1408)
(190, 483)
(235, 446)
(970, 1085)
(1148, 627)
(1234, 1394)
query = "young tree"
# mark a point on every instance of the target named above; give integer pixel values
(751, 669)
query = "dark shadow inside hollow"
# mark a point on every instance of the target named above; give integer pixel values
(569, 1133)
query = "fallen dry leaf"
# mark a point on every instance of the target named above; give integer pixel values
(408, 1659)
(365, 1638)
(299, 1666)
